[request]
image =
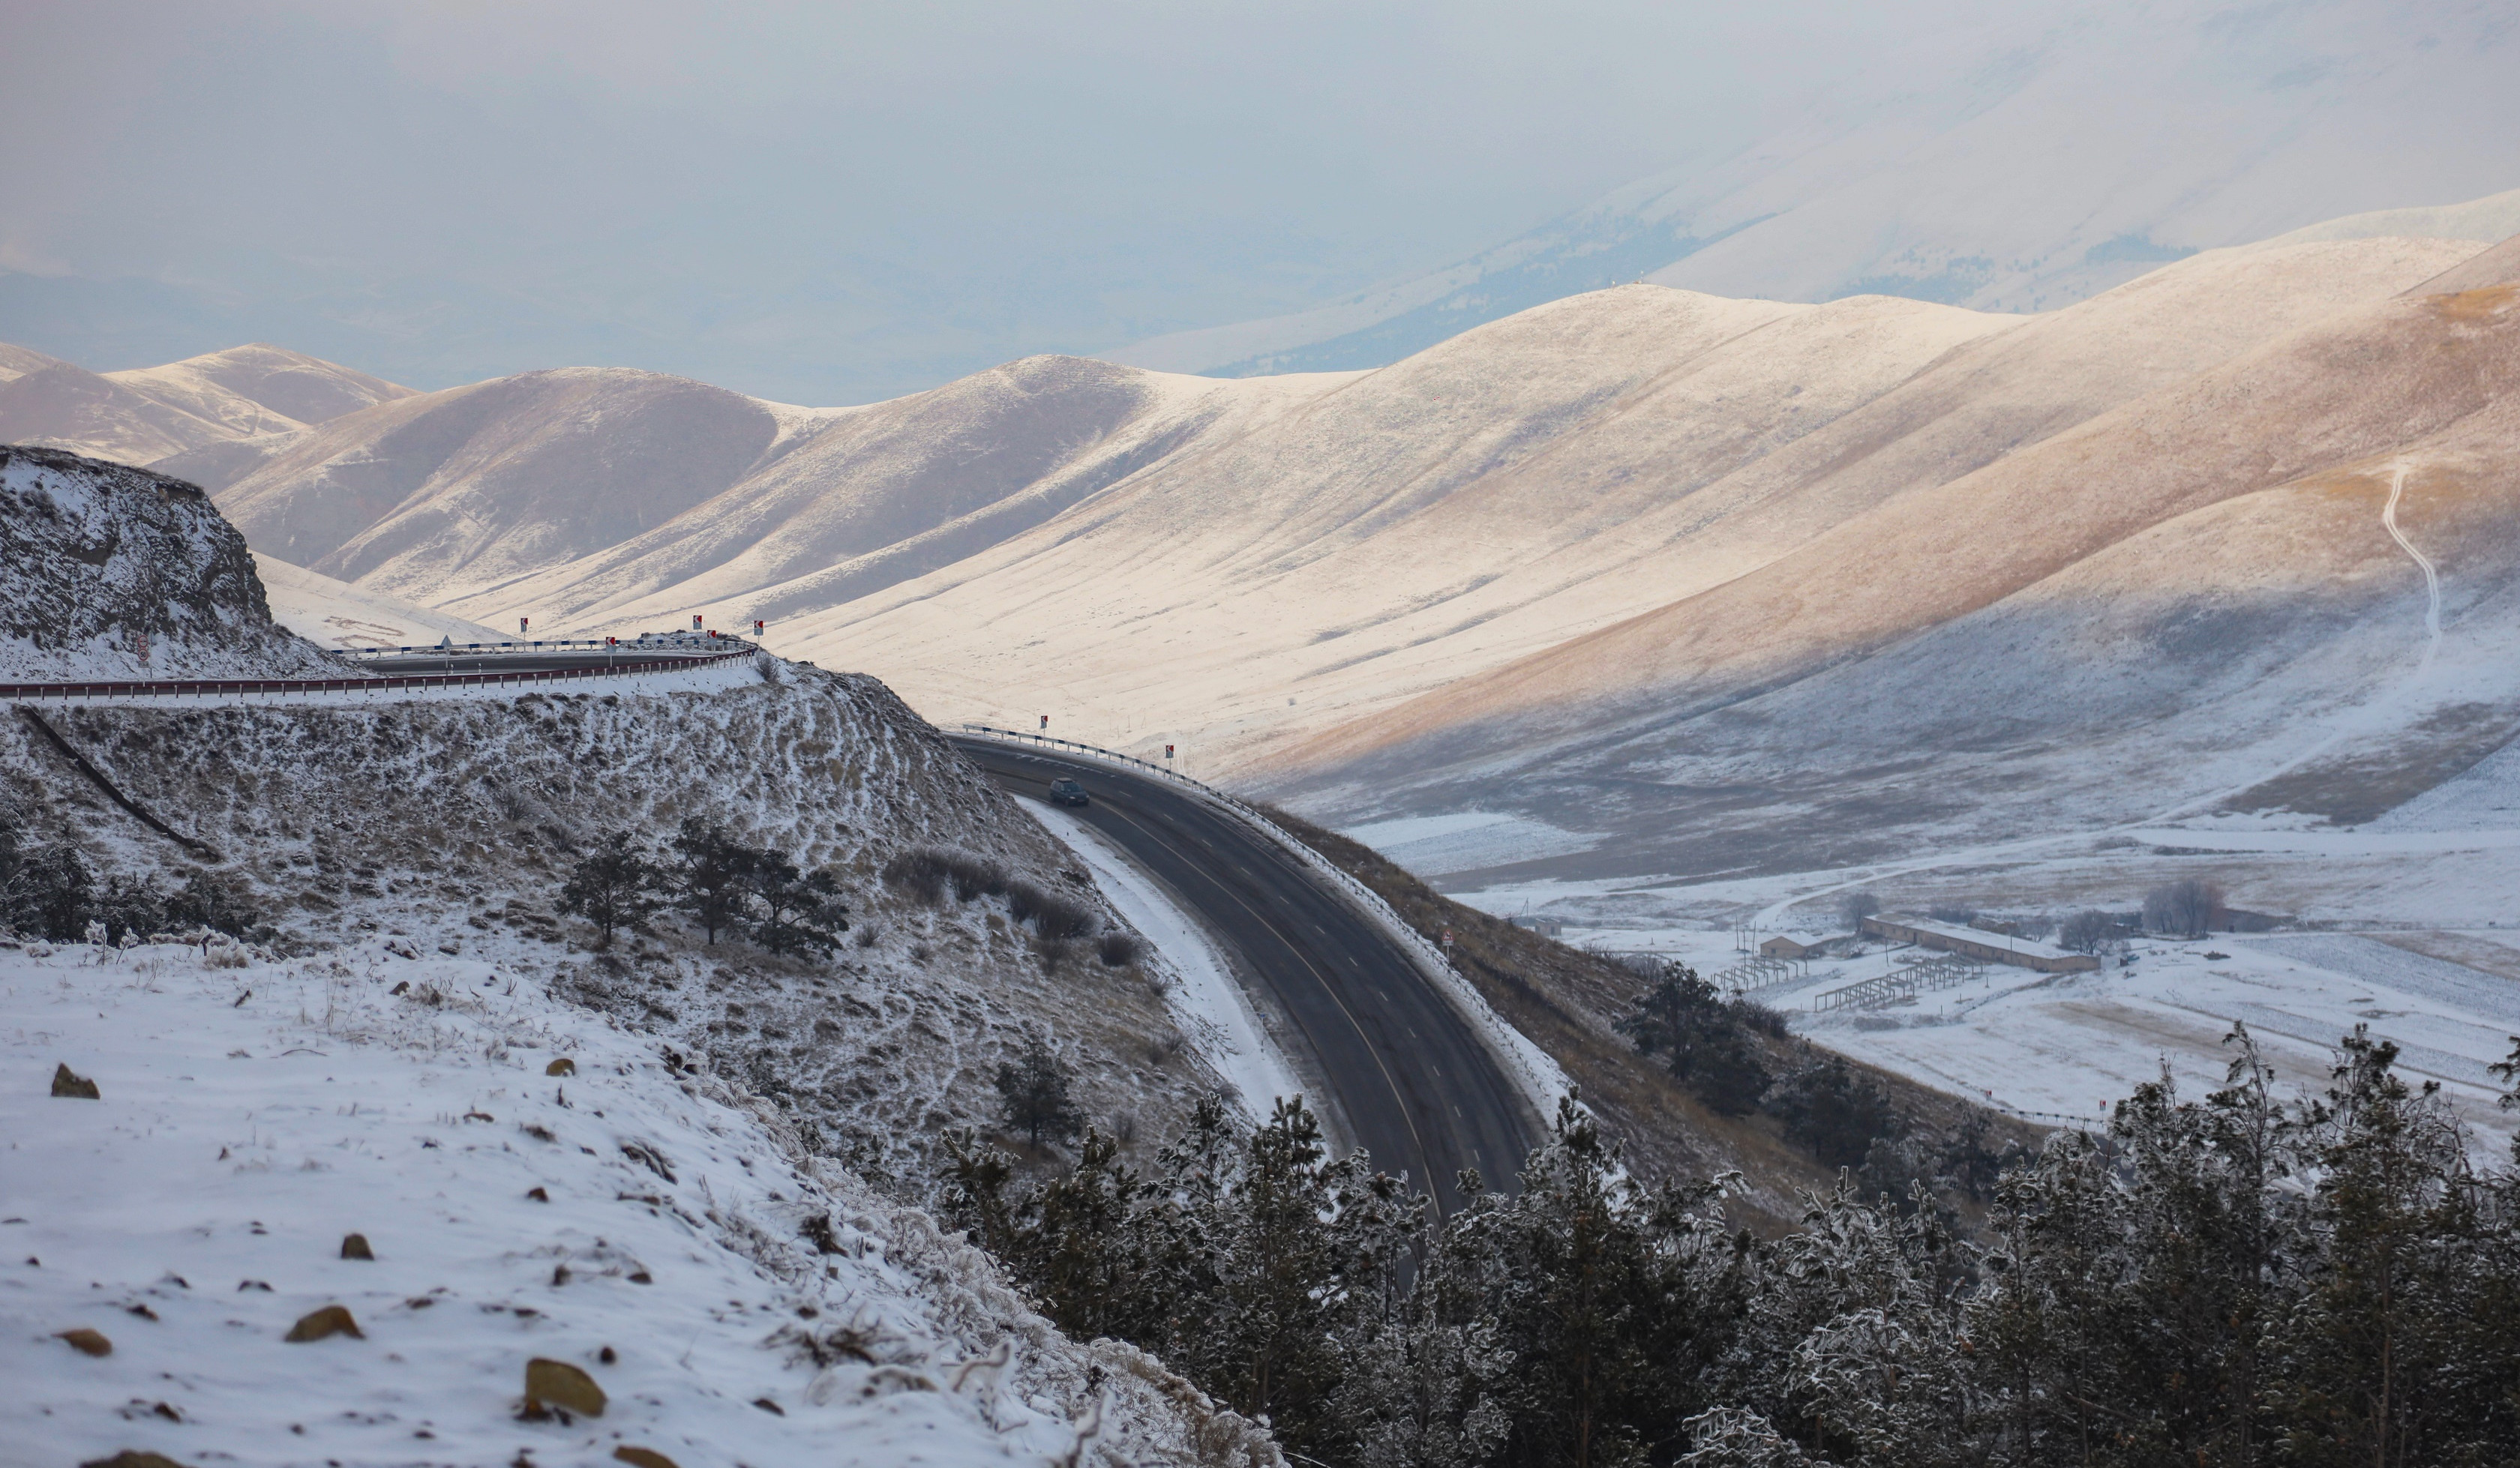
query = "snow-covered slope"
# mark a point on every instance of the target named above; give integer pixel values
(1532, 481)
(456, 822)
(1227, 565)
(262, 388)
(443, 494)
(18, 361)
(689, 1211)
(883, 494)
(2015, 160)
(670, 1236)
(334, 614)
(2283, 584)
(216, 405)
(117, 573)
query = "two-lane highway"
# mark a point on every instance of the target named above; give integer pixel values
(1417, 1086)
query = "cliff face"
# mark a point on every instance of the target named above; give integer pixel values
(107, 571)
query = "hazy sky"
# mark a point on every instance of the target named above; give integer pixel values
(824, 203)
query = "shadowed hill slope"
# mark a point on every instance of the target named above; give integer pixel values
(2179, 601)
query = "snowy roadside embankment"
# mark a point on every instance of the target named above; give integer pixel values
(1209, 1002)
(533, 1183)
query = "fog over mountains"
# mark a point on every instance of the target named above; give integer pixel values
(1982, 181)
(1663, 581)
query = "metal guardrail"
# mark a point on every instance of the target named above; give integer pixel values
(1539, 1078)
(385, 683)
(645, 644)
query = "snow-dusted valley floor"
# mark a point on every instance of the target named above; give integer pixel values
(2413, 933)
(667, 1235)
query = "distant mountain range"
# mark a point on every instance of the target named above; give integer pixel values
(1682, 582)
(2062, 154)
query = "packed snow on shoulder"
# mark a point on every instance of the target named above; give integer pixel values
(1213, 1008)
(361, 1207)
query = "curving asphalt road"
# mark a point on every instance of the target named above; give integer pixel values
(1415, 1084)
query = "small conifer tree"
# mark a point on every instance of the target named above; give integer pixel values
(1033, 1090)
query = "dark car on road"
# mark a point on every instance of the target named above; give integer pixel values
(1066, 791)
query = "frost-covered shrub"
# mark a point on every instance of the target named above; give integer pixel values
(1834, 1110)
(219, 900)
(1764, 1019)
(52, 894)
(1055, 916)
(927, 873)
(919, 874)
(1118, 950)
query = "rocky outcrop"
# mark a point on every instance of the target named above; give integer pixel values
(107, 571)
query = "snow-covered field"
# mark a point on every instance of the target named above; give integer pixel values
(334, 614)
(732, 1299)
(1468, 840)
(2064, 1046)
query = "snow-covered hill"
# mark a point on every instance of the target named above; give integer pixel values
(442, 494)
(218, 407)
(2283, 584)
(117, 573)
(688, 1210)
(530, 1182)
(1533, 481)
(1261, 572)
(334, 614)
(2016, 162)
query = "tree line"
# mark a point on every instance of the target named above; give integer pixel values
(721, 883)
(2222, 1282)
(49, 890)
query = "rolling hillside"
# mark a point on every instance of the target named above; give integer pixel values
(1648, 570)
(2195, 602)
(216, 404)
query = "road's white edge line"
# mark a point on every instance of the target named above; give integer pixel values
(1227, 1033)
(1532, 1070)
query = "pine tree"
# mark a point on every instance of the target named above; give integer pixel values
(2394, 1217)
(1610, 1301)
(53, 893)
(1680, 1017)
(797, 912)
(710, 883)
(1829, 1108)
(1033, 1092)
(612, 888)
(1083, 1254)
